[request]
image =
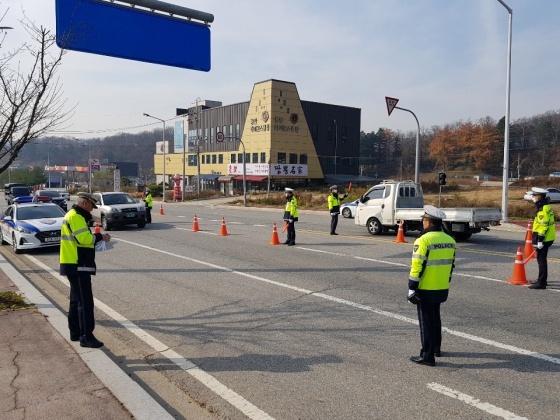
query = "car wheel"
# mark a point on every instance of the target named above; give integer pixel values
(2, 241)
(105, 224)
(346, 212)
(15, 245)
(142, 225)
(374, 226)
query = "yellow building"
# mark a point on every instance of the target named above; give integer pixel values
(281, 139)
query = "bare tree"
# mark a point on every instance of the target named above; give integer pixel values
(30, 101)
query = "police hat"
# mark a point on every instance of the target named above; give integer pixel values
(89, 197)
(334, 187)
(288, 190)
(539, 191)
(433, 212)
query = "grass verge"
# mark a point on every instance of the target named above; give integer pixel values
(10, 301)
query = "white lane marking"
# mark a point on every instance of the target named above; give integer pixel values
(136, 400)
(181, 216)
(200, 231)
(484, 406)
(247, 408)
(497, 344)
(260, 226)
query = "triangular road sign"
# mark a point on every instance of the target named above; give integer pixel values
(391, 104)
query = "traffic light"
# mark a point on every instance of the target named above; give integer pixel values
(442, 177)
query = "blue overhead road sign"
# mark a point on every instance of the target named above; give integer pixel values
(104, 28)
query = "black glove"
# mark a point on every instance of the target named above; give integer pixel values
(413, 297)
(345, 195)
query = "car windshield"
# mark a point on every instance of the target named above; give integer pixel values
(39, 212)
(20, 190)
(112, 199)
(50, 193)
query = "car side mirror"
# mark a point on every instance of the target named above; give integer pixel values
(8, 218)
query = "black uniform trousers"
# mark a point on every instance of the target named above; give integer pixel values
(334, 222)
(81, 321)
(291, 233)
(542, 255)
(148, 215)
(430, 329)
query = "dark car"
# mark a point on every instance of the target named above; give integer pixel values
(118, 209)
(54, 196)
(15, 191)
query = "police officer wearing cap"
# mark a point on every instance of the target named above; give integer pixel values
(334, 207)
(433, 260)
(291, 216)
(544, 233)
(77, 262)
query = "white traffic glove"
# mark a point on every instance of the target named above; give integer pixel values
(540, 245)
(290, 220)
(413, 297)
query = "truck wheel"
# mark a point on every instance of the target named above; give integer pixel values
(462, 236)
(374, 226)
(105, 224)
(346, 212)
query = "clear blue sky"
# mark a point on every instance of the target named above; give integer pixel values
(444, 59)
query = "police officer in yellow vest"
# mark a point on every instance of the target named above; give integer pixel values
(433, 260)
(334, 207)
(544, 233)
(77, 262)
(291, 216)
(148, 203)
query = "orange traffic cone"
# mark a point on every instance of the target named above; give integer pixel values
(195, 224)
(274, 240)
(518, 277)
(528, 251)
(161, 213)
(223, 231)
(400, 234)
(97, 229)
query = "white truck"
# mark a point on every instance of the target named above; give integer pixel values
(384, 206)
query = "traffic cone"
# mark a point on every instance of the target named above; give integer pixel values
(274, 240)
(223, 231)
(528, 251)
(518, 277)
(195, 224)
(161, 213)
(400, 234)
(97, 229)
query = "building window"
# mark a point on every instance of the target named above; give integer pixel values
(293, 158)
(203, 159)
(281, 157)
(303, 159)
(192, 160)
(343, 134)
(240, 158)
(213, 158)
(205, 135)
(255, 158)
(231, 131)
(211, 135)
(232, 158)
(248, 157)
(220, 158)
(263, 157)
(237, 131)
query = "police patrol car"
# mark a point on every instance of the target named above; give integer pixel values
(33, 225)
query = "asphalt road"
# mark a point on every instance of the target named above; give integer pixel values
(321, 330)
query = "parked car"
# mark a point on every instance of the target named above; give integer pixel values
(32, 225)
(118, 209)
(54, 196)
(348, 210)
(65, 194)
(553, 194)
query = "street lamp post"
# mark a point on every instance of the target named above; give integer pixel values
(335, 143)
(505, 179)
(417, 162)
(163, 121)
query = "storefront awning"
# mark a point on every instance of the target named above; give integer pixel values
(209, 176)
(225, 178)
(253, 178)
